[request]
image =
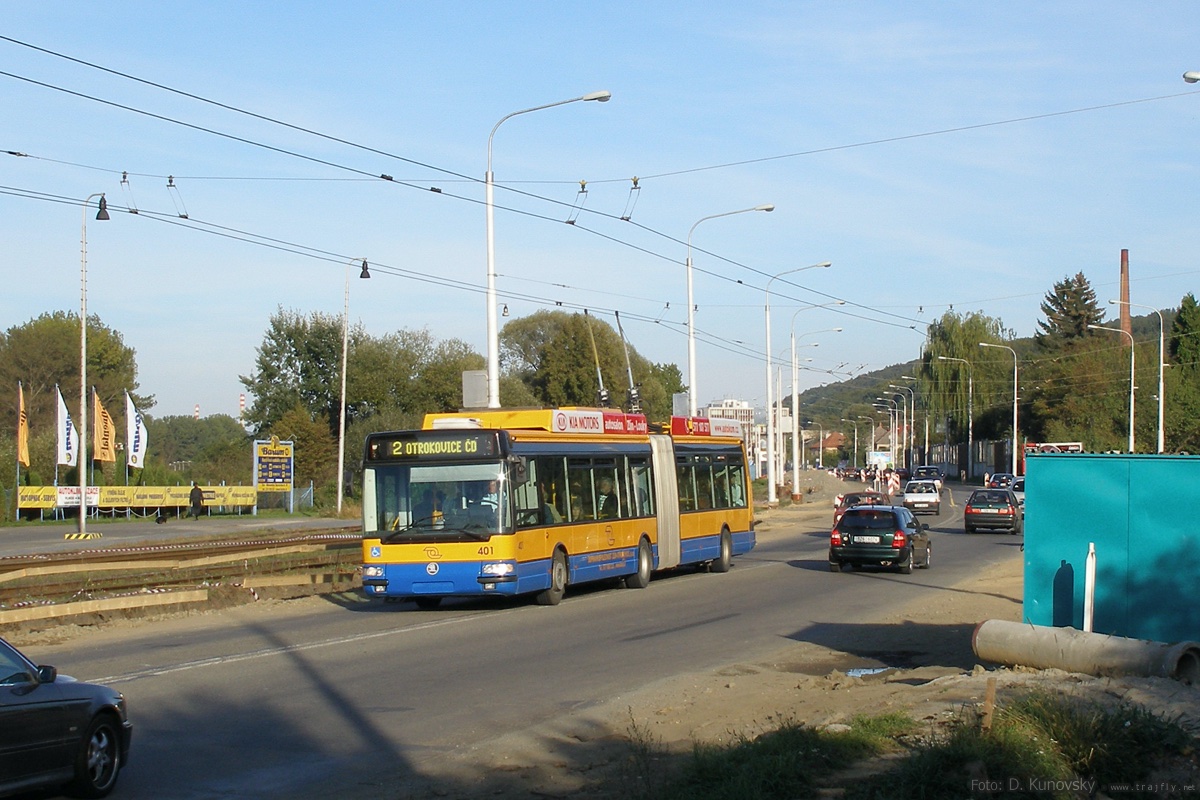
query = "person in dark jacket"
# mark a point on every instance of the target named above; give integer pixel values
(196, 500)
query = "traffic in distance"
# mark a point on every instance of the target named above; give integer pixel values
(875, 529)
(518, 502)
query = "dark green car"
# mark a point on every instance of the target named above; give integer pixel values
(879, 536)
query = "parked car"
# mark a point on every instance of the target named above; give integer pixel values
(1001, 480)
(1018, 488)
(993, 509)
(930, 473)
(57, 733)
(849, 499)
(921, 496)
(879, 536)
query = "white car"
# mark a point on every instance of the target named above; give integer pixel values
(921, 496)
(1018, 488)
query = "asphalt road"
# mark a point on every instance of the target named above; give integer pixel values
(354, 699)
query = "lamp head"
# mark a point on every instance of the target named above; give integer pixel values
(602, 96)
(366, 273)
(1191, 77)
(765, 207)
(102, 214)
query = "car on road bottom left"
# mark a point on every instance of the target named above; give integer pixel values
(56, 732)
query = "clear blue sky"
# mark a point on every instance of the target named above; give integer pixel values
(924, 149)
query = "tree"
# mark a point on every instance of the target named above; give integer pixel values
(296, 365)
(946, 384)
(45, 351)
(551, 353)
(1070, 307)
(1182, 412)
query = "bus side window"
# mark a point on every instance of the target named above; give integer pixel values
(529, 508)
(687, 491)
(721, 486)
(737, 486)
(643, 491)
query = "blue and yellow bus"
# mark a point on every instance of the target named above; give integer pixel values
(532, 501)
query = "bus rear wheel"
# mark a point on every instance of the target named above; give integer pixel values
(558, 581)
(722, 562)
(645, 563)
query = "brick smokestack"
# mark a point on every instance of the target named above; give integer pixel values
(1126, 325)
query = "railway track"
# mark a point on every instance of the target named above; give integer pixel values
(49, 589)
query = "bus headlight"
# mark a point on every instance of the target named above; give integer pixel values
(372, 571)
(499, 569)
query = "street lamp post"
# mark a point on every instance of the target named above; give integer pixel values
(81, 461)
(912, 419)
(365, 273)
(691, 309)
(970, 414)
(855, 424)
(493, 330)
(772, 496)
(891, 410)
(1132, 373)
(1015, 439)
(795, 392)
(894, 418)
(1162, 361)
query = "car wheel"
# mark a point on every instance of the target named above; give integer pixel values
(98, 761)
(722, 562)
(969, 529)
(641, 579)
(835, 566)
(928, 557)
(907, 567)
(558, 581)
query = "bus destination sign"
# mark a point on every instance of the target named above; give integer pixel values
(434, 445)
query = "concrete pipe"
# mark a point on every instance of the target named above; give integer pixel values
(1043, 647)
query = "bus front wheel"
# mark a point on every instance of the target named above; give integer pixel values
(558, 581)
(645, 563)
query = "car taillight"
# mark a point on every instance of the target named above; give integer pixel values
(835, 538)
(898, 539)
(1007, 510)
(970, 510)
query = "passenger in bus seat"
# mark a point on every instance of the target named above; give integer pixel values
(606, 499)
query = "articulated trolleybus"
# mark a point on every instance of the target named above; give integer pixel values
(533, 501)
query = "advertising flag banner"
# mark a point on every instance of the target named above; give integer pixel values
(68, 436)
(22, 428)
(104, 432)
(135, 434)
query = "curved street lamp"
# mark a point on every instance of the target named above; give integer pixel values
(1015, 439)
(493, 328)
(81, 461)
(795, 391)
(1132, 373)
(691, 306)
(1162, 361)
(772, 496)
(365, 273)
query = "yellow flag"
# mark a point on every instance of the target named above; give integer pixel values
(104, 432)
(22, 428)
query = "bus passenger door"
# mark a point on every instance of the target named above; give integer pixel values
(666, 500)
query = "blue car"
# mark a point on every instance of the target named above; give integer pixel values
(57, 733)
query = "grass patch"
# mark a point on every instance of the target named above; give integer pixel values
(1041, 745)
(785, 763)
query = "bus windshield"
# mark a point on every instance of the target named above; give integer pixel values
(409, 501)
